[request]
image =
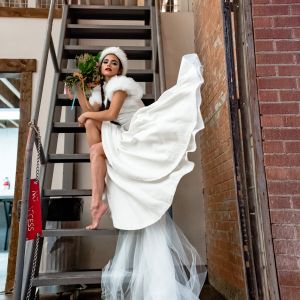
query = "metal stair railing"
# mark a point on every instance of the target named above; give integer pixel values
(157, 48)
(48, 47)
(160, 49)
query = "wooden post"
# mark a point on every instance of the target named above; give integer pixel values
(256, 179)
(25, 67)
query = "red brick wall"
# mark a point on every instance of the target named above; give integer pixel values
(277, 45)
(224, 250)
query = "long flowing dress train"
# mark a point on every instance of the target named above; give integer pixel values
(146, 158)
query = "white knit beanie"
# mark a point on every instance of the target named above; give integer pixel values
(117, 52)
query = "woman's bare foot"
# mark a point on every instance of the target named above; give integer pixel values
(97, 212)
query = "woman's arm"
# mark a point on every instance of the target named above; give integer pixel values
(83, 102)
(110, 114)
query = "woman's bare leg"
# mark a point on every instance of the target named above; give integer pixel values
(93, 132)
(98, 173)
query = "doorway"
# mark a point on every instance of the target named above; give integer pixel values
(15, 111)
(9, 128)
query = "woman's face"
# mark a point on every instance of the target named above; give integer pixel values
(110, 66)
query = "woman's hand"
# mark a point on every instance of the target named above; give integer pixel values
(69, 93)
(82, 119)
(79, 90)
(91, 85)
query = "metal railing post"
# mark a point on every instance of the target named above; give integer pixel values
(41, 81)
(160, 54)
(53, 55)
(23, 216)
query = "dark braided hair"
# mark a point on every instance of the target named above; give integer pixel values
(102, 93)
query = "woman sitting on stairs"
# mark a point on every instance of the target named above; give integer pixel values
(113, 64)
(138, 156)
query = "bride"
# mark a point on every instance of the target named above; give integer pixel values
(138, 156)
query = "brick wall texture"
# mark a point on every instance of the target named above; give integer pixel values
(224, 249)
(277, 45)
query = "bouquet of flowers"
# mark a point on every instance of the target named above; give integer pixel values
(88, 75)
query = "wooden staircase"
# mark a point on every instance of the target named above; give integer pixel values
(73, 29)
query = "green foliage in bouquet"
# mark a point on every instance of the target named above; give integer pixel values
(88, 74)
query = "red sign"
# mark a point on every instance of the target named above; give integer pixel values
(34, 217)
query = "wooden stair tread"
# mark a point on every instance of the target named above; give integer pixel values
(67, 278)
(132, 52)
(67, 127)
(138, 75)
(66, 193)
(87, 31)
(110, 12)
(78, 232)
(76, 157)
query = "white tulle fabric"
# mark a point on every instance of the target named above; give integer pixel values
(147, 155)
(154, 263)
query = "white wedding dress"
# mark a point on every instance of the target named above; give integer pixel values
(146, 158)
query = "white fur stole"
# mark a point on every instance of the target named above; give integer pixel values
(126, 84)
(96, 96)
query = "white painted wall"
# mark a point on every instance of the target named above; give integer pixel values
(188, 207)
(24, 38)
(8, 157)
